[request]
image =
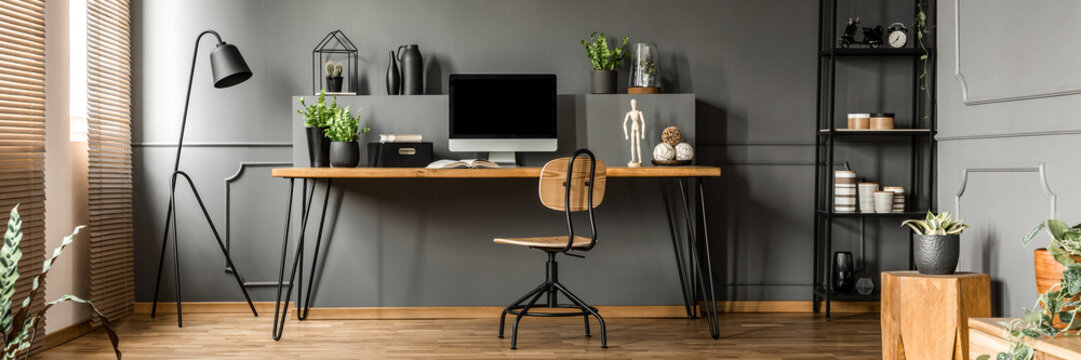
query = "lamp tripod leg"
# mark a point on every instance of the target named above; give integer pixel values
(161, 259)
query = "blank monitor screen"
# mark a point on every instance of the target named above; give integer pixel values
(502, 106)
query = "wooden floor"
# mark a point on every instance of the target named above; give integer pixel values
(238, 336)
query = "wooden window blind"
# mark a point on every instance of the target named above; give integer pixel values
(22, 137)
(112, 286)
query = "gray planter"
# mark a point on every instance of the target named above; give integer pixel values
(603, 82)
(344, 154)
(937, 254)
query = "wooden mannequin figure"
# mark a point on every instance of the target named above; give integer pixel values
(637, 133)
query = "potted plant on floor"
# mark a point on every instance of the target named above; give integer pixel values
(1058, 282)
(938, 244)
(316, 119)
(344, 150)
(334, 76)
(20, 328)
(605, 61)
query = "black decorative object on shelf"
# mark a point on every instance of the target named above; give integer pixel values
(344, 154)
(412, 69)
(318, 147)
(937, 254)
(394, 79)
(228, 68)
(334, 46)
(844, 276)
(916, 131)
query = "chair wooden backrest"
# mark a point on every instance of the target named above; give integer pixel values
(553, 176)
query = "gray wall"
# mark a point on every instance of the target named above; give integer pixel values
(751, 66)
(1006, 112)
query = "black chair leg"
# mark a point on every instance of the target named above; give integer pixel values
(503, 318)
(586, 308)
(523, 312)
(586, 317)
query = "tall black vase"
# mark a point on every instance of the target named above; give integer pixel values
(412, 69)
(318, 147)
(394, 79)
(844, 277)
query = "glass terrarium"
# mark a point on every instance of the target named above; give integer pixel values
(645, 70)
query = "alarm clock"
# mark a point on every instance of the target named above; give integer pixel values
(898, 35)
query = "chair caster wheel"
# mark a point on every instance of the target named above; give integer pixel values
(500, 336)
(604, 346)
(588, 335)
(513, 348)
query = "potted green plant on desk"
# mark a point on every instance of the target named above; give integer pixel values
(317, 118)
(342, 132)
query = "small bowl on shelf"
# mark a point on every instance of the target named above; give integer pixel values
(671, 162)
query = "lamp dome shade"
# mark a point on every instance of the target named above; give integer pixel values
(228, 66)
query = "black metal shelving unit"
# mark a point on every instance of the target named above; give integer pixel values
(920, 137)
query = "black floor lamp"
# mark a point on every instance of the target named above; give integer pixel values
(229, 69)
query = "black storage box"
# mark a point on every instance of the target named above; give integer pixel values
(399, 154)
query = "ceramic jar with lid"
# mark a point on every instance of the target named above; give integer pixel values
(859, 121)
(881, 121)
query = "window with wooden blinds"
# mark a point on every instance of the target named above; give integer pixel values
(108, 28)
(22, 136)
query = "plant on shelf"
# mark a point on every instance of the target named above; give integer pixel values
(342, 132)
(938, 242)
(919, 23)
(20, 328)
(605, 61)
(1056, 309)
(334, 76)
(317, 118)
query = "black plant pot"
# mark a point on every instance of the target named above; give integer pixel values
(344, 154)
(844, 277)
(318, 147)
(937, 254)
(334, 84)
(603, 82)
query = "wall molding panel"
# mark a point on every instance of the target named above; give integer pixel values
(1038, 169)
(228, 185)
(1015, 94)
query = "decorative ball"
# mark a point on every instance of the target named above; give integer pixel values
(684, 151)
(671, 136)
(664, 152)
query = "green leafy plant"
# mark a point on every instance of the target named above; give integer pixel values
(941, 224)
(919, 24)
(343, 126)
(19, 329)
(1060, 300)
(602, 57)
(334, 69)
(319, 114)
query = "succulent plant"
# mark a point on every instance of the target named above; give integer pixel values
(602, 57)
(343, 126)
(334, 69)
(941, 224)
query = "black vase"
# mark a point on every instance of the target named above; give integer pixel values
(937, 254)
(344, 154)
(318, 147)
(412, 69)
(844, 279)
(334, 84)
(394, 79)
(603, 82)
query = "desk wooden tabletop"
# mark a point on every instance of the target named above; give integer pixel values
(522, 172)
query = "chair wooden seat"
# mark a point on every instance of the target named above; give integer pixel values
(547, 242)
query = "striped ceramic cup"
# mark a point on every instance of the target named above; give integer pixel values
(898, 197)
(844, 191)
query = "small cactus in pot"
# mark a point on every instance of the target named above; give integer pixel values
(937, 238)
(334, 76)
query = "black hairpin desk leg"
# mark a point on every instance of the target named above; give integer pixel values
(688, 301)
(281, 310)
(698, 277)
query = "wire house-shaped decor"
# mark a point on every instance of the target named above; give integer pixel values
(333, 46)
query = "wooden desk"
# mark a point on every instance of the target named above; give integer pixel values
(522, 172)
(985, 338)
(698, 271)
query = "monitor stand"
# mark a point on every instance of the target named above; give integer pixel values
(506, 159)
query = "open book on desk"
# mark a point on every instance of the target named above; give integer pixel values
(463, 164)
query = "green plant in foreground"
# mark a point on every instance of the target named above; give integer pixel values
(1060, 300)
(20, 328)
(319, 115)
(343, 126)
(941, 224)
(602, 57)
(334, 69)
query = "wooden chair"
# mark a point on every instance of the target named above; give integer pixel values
(569, 185)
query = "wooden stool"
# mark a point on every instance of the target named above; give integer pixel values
(926, 316)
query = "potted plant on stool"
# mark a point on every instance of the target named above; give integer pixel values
(937, 245)
(605, 61)
(316, 119)
(344, 150)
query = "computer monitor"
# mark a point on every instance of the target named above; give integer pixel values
(501, 114)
